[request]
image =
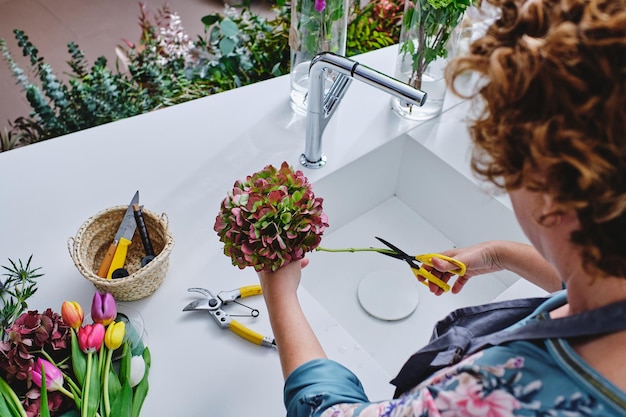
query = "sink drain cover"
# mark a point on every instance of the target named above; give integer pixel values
(388, 295)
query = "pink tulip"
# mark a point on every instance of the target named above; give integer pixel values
(320, 5)
(54, 377)
(72, 314)
(90, 337)
(103, 309)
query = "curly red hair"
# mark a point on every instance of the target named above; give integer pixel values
(553, 91)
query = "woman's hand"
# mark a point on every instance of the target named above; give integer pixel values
(482, 258)
(493, 256)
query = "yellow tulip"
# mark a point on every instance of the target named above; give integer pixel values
(114, 335)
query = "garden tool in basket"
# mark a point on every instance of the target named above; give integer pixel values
(213, 304)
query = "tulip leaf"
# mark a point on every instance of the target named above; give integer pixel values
(91, 388)
(122, 405)
(125, 364)
(4, 407)
(114, 384)
(79, 361)
(9, 402)
(141, 390)
(44, 410)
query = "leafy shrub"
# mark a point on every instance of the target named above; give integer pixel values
(166, 67)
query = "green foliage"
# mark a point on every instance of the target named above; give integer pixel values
(18, 287)
(166, 67)
(241, 48)
(429, 26)
(374, 26)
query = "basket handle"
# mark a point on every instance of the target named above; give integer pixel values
(70, 246)
(165, 219)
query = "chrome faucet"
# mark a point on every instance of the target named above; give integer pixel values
(321, 107)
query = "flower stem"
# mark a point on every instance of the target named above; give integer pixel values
(379, 250)
(105, 382)
(85, 405)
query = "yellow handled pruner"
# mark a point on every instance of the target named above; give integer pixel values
(213, 304)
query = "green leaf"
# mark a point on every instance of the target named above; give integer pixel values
(44, 411)
(79, 361)
(125, 364)
(91, 388)
(114, 384)
(122, 405)
(229, 28)
(227, 46)
(210, 19)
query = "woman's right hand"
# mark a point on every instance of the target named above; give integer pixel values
(482, 258)
(496, 255)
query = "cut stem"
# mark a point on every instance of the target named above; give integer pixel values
(370, 249)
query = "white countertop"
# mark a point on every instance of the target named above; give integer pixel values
(183, 160)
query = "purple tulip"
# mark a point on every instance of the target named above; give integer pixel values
(320, 5)
(103, 308)
(54, 377)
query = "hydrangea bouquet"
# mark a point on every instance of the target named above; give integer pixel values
(270, 219)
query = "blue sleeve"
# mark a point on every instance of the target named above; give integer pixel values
(318, 384)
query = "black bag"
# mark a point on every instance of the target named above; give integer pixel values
(468, 330)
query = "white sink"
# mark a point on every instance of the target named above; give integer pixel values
(405, 194)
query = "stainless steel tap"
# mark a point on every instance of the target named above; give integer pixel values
(321, 106)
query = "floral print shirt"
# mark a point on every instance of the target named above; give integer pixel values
(544, 379)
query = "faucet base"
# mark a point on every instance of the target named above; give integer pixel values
(313, 164)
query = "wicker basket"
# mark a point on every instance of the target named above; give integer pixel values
(94, 237)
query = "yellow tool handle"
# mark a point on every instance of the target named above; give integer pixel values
(430, 278)
(120, 256)
(250, 290)
(427, 259)
(106, 262)
(248, 334)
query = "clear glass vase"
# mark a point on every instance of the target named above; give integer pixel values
(316, 26)
(427, 38)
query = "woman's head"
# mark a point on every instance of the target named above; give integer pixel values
(554, 117)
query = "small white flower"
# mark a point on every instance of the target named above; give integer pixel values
(137, 370)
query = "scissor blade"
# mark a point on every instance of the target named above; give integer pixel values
(197, 305)
(399, 254)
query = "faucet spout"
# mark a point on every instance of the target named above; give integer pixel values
(321, 104)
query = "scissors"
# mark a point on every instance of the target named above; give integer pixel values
(427, 259)
(213, 304)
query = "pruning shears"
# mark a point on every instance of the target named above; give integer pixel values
(213, 304)
(426, 259)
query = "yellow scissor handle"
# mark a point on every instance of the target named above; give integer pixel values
(249, 334)
(427, 259)
(250, 290)
(428, 277)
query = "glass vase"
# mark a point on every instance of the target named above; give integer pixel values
(427, 37)
(316, 26)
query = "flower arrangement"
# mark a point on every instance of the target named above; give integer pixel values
(427, 26)
(55, 365)
(314, 21)
(270, 219)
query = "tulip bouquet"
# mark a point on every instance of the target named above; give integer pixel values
(270, 219)
(59, 366)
